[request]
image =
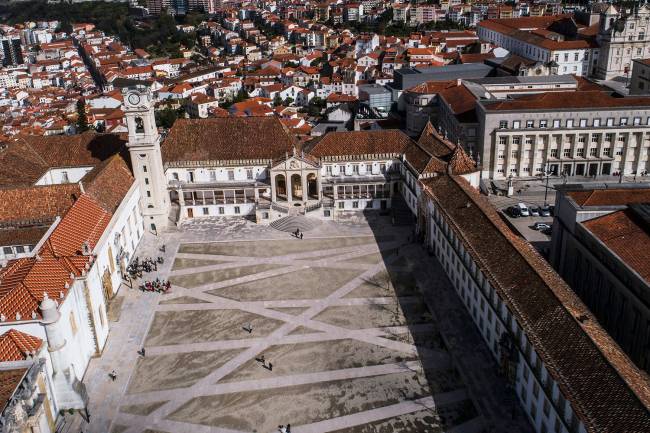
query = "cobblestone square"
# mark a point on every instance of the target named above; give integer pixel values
(340, 315)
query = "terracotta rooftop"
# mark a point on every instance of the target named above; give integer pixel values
(9, 382)
(226, 139)
(360, 143)
(627, 236)
(610, 196)
(18, 346)
(567, 100)
(607, 391)
(435, 154)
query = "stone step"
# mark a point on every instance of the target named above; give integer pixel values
(289, 224)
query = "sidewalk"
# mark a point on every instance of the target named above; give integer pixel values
(468, 351)
(125, 339)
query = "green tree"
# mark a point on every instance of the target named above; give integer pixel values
(82, 118)
(166, 117)
(277, 100)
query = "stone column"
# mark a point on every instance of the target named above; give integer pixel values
(288, 186)
(274, 197)
(305, 191)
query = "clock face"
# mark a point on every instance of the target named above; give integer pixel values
(134, 99)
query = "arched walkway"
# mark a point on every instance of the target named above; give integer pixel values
(280, 187)
(296, 187)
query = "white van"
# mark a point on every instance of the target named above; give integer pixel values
(523, 209)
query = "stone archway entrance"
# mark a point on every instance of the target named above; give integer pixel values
(296, 187)
(281, 187)
(312, 186)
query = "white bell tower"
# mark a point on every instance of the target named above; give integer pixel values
(146, 160)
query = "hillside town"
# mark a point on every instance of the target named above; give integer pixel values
(396, 216)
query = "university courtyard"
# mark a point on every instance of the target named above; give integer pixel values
(352, 329)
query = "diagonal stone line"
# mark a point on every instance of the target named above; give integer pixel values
(372, 415)
(278, 382)
(175, 426)
(304, 319)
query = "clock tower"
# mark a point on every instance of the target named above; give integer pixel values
(146, 159)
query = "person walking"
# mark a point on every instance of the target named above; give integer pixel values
(113, 375)
(300, 235)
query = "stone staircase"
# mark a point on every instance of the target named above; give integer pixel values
(290, 223)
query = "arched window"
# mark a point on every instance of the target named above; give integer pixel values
(139, 125)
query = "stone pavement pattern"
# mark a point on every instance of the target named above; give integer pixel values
(353, 345)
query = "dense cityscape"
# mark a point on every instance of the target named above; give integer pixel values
(324, 216)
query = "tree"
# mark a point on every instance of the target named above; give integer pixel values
(166, 117)
(277, 100)
(288, 101)
(82, 119)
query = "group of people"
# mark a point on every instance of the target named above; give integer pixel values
(298, 233)
(137, 266)
(157, 285)
(285, 429)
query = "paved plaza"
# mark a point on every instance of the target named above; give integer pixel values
(344, 316)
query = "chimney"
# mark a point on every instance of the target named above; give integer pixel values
(81, 187)
(459, 81)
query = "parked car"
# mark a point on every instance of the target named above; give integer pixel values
(513, 212)
(534, 211)
(541, 226)
(523, 209)
(545, 211)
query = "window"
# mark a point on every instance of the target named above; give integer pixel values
(582, 139)
(583, 123)
(543, 123)
(503, 124)
(206, 211)
(641, 36)
(368, 168)
(594, 138)
(610, 121)
(569, 123)
(501, 156)
(619, 151)
(514, 153)
(148, 193)
(328, 170)
(503, 140)
(221, 210)
(553, 153)
(249, 173)
(530, 123)
(237, 210)
(341, 205)
(516, 140)
(566, 152)
(557, 123)
(231, 174)
(144, 168)
(607, 151)
(609, 137)
(566, 57)
(190, 176)
(355, 204)
(382, 168)
(175, 176)
(516, 124)
(593, 151)
(597, 122)
(637, 121)
(581, 152)
(213, 175)
(355, 169)
(623, 121)
(341, 170)
(265, 215)
(73, 323)
(64, 177)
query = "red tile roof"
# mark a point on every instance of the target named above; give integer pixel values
(10, 380)
(360, 143)
(18, 346)
(607, 391)
(625, 236)
(567, 100)
(610, 196)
